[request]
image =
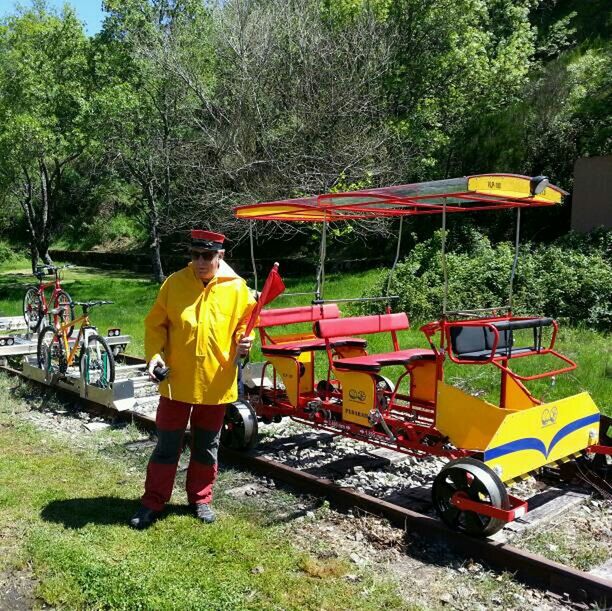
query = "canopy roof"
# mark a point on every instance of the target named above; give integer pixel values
(481, 192)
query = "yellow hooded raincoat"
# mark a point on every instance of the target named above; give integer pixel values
(195, 329)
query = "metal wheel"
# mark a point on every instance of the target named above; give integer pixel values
(32, 309)
(383, 385)
(97, 364)
(480, 483)
(50, 351)
(239, 430)
(64, 301)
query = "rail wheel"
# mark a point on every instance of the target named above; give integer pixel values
(239, 430)
(481, 484)
(602, 463)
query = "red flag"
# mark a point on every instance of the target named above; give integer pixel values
(272, 288)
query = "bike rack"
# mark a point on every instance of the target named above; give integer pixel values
(119, 395)
(12, 323)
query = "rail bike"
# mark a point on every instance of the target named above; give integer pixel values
(400, 398)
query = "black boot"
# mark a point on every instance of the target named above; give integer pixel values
(203, 512)
(144, 518)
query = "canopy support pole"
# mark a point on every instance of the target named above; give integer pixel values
(321, 270)
(253, 253)
(397, 254)
(516, 254)
(444, 268)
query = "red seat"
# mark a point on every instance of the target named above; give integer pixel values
(374, 362)
(361, 325)
(293, 315)
(297, 347)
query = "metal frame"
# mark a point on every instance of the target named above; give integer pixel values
(119, 395)
(27, 344)
(435, 197)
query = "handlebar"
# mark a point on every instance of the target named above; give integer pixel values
(87, 305)
(91, 304)
(42, 270)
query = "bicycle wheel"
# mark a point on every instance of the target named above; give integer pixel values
(97, 364)
(50, 351)
(32, 309)
(64, 301)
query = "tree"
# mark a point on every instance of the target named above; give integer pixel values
(293, 105)
(45, 92)
(147, 110)
(453, 61)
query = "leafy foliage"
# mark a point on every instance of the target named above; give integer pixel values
(180, 109)
(45, 108)
(570, 280)
(6, 252)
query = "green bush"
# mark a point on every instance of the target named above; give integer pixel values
(567, 280)
(7, 254)
(115, 232)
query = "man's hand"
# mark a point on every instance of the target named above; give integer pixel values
(244, 345)
(153, 363)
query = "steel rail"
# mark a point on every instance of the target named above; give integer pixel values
(527, 567)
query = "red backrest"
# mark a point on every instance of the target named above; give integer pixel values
(287, 316)
(361, 325)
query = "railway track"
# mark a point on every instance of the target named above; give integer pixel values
(529, 568)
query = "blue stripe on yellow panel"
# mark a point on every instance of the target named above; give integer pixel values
(532, 443)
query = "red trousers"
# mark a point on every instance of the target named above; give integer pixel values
(172, 419)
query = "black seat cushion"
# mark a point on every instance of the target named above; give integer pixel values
(485, 355)
(473, 343)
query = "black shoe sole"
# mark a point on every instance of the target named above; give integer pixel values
(144, 524)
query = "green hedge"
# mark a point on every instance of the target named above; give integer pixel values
(570, 279)
(6, 252)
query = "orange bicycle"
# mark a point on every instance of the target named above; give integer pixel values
(35, 306)
(95, 359)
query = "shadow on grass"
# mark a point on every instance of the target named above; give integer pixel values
(102, 510)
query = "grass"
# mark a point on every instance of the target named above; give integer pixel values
(133, 295)
(63, 512)
(577, 546)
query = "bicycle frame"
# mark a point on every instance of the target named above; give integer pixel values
(63, 327)
(57, 287)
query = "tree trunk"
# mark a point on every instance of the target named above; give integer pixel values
(43, 251)
(27, 205)
(47, 193)
(34, 256)
(155, 238)
(158, 272)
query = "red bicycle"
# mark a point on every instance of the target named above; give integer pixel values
(35, 305)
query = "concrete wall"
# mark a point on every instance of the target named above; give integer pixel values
(592, 196)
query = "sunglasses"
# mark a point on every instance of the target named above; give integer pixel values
(206, 255)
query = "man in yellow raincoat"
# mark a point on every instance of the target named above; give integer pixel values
(195, 329)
